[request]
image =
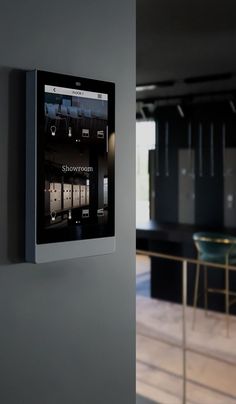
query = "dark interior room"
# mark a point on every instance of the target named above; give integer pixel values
(185, 201)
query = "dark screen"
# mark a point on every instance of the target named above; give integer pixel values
(75, 161)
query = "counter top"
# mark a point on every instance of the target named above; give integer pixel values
(153, 230)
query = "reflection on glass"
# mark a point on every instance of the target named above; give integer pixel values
(190, 151)
(167, 149)
(157, 150)
(212, 151)
(223, 146)
(200, 150)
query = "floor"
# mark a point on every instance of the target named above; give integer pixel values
(143, 400)
(210, 358)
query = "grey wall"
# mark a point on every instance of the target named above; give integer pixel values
(66, 329)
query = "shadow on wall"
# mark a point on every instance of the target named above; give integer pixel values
(16, 166)
(12, 197)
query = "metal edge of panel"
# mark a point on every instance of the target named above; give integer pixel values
(74, 249)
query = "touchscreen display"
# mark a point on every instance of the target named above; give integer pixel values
(75, 187)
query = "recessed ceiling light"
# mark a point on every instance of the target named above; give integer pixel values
(180, 109)
(148, 87)
(232, 105)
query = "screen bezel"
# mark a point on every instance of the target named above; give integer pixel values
(77, 83)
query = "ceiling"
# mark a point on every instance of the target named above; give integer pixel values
(178, 39)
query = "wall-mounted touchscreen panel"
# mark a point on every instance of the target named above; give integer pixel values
(70, 153)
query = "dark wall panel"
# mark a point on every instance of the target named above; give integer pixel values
(213, 125)
(167, 158)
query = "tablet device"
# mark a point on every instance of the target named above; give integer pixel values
(70, 157)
